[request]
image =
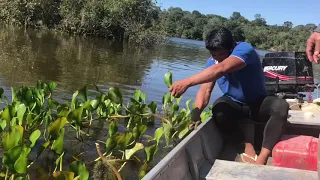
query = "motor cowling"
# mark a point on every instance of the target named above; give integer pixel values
(287, 72)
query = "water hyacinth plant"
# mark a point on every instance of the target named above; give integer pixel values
(32, 123)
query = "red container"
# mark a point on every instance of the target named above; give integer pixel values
(299, 152)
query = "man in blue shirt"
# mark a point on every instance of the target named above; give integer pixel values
(237, 69)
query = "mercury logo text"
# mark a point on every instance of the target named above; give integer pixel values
(275, 68)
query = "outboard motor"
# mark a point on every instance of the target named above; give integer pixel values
(287, 74)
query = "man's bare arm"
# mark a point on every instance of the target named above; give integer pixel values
(214, 72)
(202, 99)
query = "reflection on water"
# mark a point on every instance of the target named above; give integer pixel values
(72, 62)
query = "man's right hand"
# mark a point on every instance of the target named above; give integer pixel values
(313, 47)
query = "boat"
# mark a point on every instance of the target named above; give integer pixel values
(204, 155)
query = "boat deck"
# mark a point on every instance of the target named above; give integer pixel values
(226, 170)
(203, 155)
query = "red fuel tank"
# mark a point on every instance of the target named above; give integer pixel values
(294, 151)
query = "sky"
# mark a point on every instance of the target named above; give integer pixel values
(299, 12)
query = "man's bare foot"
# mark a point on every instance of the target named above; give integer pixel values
(263, 156)
(261, 160)
(250, 153)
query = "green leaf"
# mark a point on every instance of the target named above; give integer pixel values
(63, 175)
(57, 145)
(166, 99)
(138, 131)
(83, 94)
(95, 103)
(34, 137)
(136, 95)
(183, 133)
(10, 139)
(124, 140)
(3, 125)
(28, 95)
(167, 132)
(20, 130)
(111, 143)
(11, 156)
(158, 134)
(20, 113)
(188, 105)
(143, 97)
(52, 86)
(205, 115)
(179, 100)
(130, 152)
(13, 94)
(87, 105)
(52, 103)
(150, 152)
(74, 100)
(76, 115)
(79, 169)
(6, 115)
(168, 79)
(174, 108)
(115, 95)
(54, 127)
(21, 164)
(113, 128)
(182, 125)
(153, 107)
(64, 113)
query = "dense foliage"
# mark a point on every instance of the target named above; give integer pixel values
(33, 124)
(194, 25)
(135, 20)
(143, 22)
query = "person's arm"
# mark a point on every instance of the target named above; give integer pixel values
(202, 100)
(232, 63)
(313, 46)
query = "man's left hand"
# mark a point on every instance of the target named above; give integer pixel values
(179, 87)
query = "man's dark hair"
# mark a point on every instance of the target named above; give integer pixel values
(219, 39)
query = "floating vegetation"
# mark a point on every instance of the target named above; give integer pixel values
(32, 121)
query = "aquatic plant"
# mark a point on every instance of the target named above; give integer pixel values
(32, 115)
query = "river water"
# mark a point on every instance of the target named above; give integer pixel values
(27, 56)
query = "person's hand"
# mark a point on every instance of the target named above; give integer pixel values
(194, 124)
(195, 117)
(313, 47)
(179, 87)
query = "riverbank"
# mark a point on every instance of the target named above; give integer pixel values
(143, 22)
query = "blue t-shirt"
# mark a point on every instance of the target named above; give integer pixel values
(247, 84)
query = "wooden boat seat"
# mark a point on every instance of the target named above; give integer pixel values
(228, 170)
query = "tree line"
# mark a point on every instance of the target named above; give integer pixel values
(143, 22)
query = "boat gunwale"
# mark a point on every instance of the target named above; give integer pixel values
(174, 153)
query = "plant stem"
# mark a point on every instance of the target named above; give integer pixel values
(103, 159)
(6, 174)
(61, 163)
(122, 166)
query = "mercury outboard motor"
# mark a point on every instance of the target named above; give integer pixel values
(287, 74)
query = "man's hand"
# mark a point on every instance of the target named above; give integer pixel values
(194, 124)
(313, 47)
(179, 87)
(195, 117)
